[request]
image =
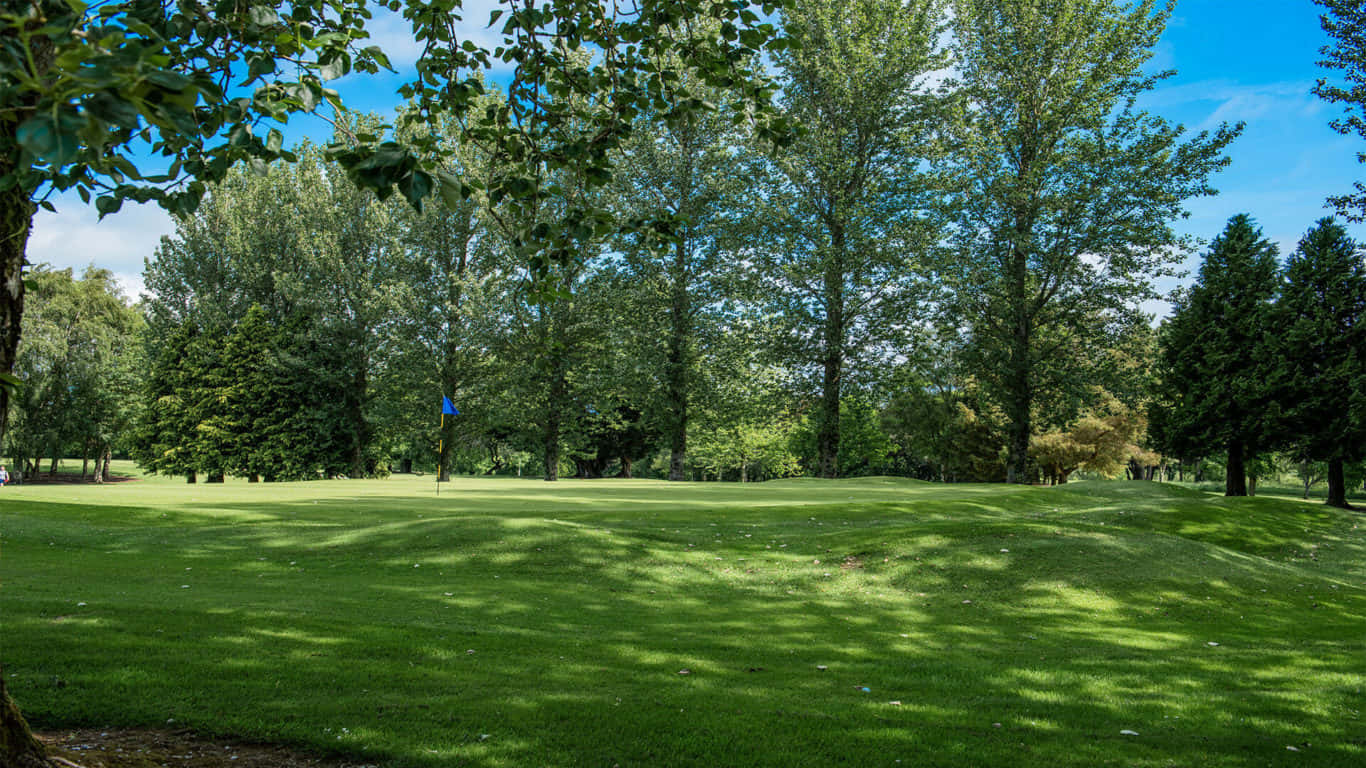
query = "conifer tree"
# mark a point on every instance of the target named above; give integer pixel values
(1321, 365)
(1214, 356)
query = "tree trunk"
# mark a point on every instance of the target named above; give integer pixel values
(214, 477)
(828, 436)
(676, 364)
(18, 748)
(1252, 485)
(445, 452)
(1019, 364)
(253, 478)
(191, 477)
(16, 219)
(85, 461)
(360, 427)
(1235, 478)
(626, 468)
(552, 448)
(1337, 485)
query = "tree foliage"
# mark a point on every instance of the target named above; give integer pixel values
(1062, 191)
(842, 225)
(1215, 359)
(1345, 23)
(80, 367)
(1320, 353)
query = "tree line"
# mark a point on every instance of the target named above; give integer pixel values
(938, 276)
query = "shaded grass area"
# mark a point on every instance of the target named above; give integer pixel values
(513, 623)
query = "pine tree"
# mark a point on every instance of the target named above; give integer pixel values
(1321, 335)
(1214, 353)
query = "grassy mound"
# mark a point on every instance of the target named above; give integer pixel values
(795, 623)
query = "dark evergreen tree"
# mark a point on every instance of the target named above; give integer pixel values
(162, 441)
(1321, 334)
(1214, 356)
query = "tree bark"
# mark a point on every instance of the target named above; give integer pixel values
(1235, 477)
(1337, 485)
(191, 476)
(828, 435)
(676, 364)
(18, 748)
(443, 458)
(16, 220)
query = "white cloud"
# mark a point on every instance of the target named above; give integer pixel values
(75, 237)
(394, 34)
(1234, 102)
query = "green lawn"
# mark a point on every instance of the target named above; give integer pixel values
(519, 623)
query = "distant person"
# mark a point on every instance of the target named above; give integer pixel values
(4, 476)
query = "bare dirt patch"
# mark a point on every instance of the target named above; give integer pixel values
(96, 748)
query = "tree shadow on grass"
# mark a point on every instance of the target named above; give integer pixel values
(521, 640)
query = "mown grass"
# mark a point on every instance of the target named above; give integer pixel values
(517, 623)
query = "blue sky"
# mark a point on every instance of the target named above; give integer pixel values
(1249, 60)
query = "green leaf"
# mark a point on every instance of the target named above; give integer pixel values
(335, 68)
(275, 140)
(171, 81)
(112, 109)
(451, 190)
(107, 204)
(52, 138)
(415, 186)
(264, 15)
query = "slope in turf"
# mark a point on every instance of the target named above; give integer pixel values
(518, 623)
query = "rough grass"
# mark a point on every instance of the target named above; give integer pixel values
(518, 623)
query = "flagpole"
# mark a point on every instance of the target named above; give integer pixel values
(440, 445)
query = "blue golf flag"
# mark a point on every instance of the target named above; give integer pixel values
(447, 407)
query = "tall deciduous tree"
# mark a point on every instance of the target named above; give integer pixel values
(1320, 332)
(685, 170)
(842, 219)
(446, 276)
(1345, 23)
(1215, 357)
(75, 365)
(1061, 190)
